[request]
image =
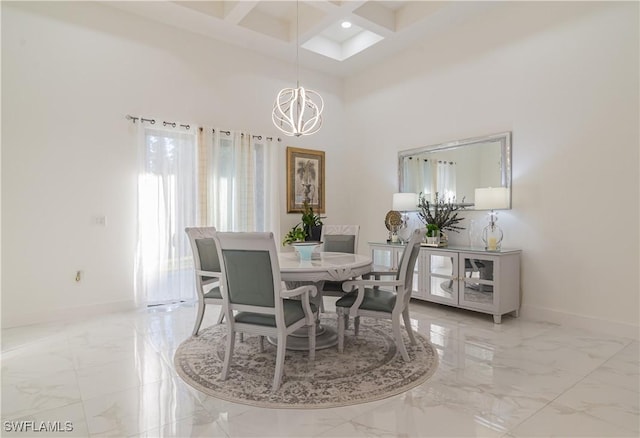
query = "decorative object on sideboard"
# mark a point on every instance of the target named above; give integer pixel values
(392, 221)
(443, 214)
(404, 203)
(492, 198)
(297, 111)
(433, 235)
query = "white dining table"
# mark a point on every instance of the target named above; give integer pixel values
(325, 266)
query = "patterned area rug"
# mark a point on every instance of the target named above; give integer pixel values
(370, 368)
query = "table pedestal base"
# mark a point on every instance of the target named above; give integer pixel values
(326, 337)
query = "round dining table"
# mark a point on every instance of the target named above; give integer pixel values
(324, 266)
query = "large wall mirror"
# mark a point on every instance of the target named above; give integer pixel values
(456, 169)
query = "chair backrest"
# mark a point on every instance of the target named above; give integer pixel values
(205, 252)
(407, 264)
(251, 273)
(340, 238)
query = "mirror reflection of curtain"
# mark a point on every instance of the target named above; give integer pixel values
(167, 203)
(446, 185)
(242, 182)
(418, 175)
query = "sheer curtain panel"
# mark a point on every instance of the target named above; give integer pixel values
(242, 182)
(447, 180)
(167, 203)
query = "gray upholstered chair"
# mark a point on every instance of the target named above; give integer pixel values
(338, 238)
(254, 299)
(207, 270)
(371, 301)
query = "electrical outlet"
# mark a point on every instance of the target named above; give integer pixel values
(101, 221)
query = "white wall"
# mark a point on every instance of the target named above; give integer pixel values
(71, 71)
(563, 77)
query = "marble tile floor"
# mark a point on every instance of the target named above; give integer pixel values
(114, 376)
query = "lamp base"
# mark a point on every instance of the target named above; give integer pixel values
(492, 237)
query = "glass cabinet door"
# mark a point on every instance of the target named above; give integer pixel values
(477, 286)
(382, 257)
(442, 284)
(386, 256)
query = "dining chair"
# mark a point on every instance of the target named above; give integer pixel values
(338, 238)
(254, 300)
(368, 299)
(207, 271)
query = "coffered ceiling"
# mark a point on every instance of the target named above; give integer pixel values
(378, 28)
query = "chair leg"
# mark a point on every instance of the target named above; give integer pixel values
(220, 317)
(282, 346)
(407, 325)
(231, 339)
(356, 325)
(199, 317)
(241, 337)
(312, 341)
(261, 344)
(341, 319)
(397, 335)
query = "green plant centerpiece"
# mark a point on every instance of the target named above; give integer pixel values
(309, 228)
(433, 230)
(295, 234)
(440, 215)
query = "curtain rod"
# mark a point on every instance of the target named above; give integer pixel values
(174, 124)
(153, 122)
(259, 137)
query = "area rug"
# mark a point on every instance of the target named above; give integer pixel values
(370, 368)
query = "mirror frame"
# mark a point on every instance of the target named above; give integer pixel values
(504, 138)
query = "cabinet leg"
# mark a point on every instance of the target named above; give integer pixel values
(497, 319)
(516, 313)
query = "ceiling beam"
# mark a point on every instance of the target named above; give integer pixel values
(236, 11)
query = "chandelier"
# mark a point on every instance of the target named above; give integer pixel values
(297, 111)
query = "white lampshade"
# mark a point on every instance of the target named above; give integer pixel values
(492, 198)
(405, 201)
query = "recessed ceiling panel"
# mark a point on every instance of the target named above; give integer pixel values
(337, 33)
(214, 9)
(339, 44)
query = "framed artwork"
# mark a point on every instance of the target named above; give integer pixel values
(305, 180)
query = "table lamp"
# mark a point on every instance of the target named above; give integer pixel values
(492, 198)
(404, 202)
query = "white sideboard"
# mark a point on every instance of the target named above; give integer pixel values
(469, 278)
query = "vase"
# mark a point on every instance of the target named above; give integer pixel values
(314, 234)
(444, 239)
(434, 240)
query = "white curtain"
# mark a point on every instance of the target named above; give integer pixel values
(426, 182)
(242, 182)
(446, 184)
(167, 203)
(418, 175)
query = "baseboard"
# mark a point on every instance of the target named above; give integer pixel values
(65, 314)
(566, 319)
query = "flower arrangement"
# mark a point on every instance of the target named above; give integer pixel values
(441, 213)
(303, 230)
